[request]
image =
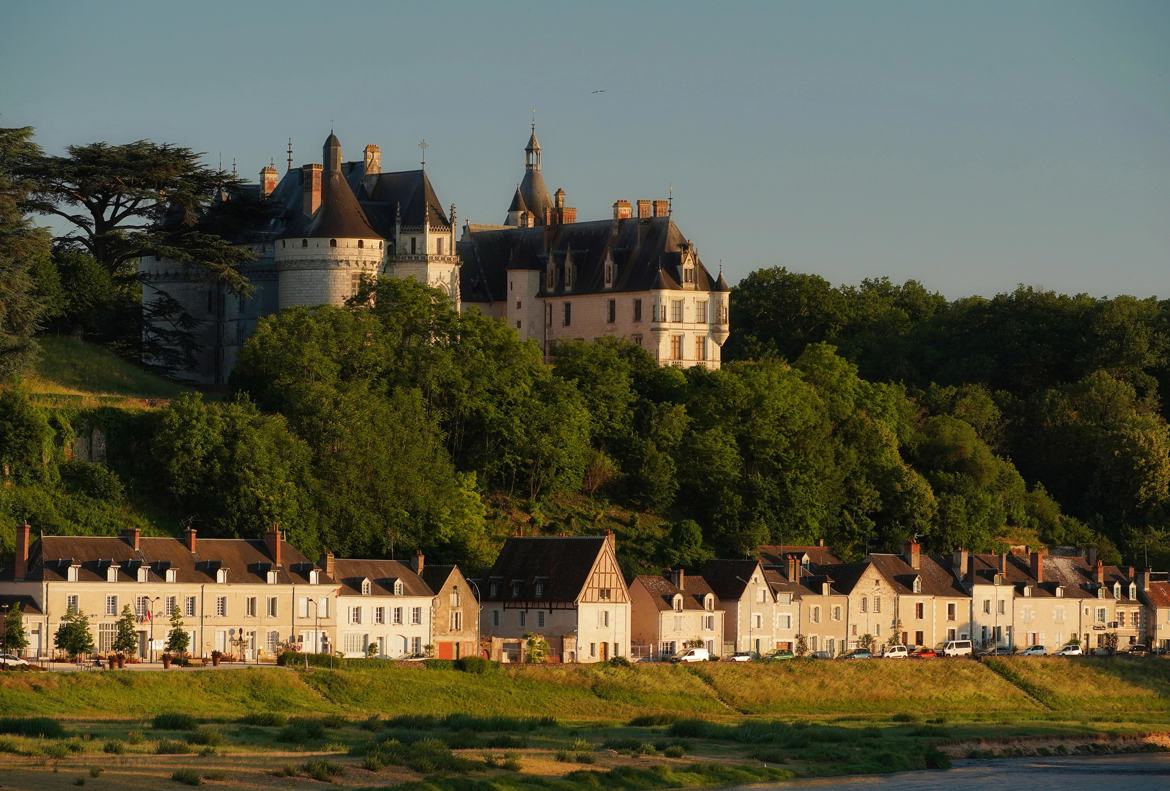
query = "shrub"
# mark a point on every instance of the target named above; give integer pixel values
(297, 659)
(174, 721)
(172, 747)
(95, 771)
(207, 736)
(674, 751)
(620, 661)
(504, 741)
(301, 730)
(33, 727)
(114, 747)
(439, 664)
(56, 750)
(322, 770)
(135, 737)
(187, 777)
(651, 720)
(474, 664)
(267, 719)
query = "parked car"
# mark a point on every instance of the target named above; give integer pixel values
(998, 650)
(12, 660)
(1070, 650)
(857, 653)
(742, 656)
(1137, 649)
(895, 652)
(692, 655)
(924, 653)
(957, 648)
(1033, 650)
(820, 655)
(783, 653)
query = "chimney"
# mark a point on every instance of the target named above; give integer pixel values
(1100, 571)
(971, 569)
(373, 159)
(793, 568)
(1091, 555)
(1037, 566)
(310, 189)
(326, 563)
(190, 534)
(20, 567)
(661, 208)
(1003, 563)
(559, 198)
(611, 541)
(643, 209)
(416, 563)
(133, 538)
(1143, 581)
(959, 563)
(1129, 573)
(622, 210)
(821, 541)
(914, 554)
(273, 540)
(267, 180)
(678, 578)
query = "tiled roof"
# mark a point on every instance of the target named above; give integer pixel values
(436, 575)
(726, 577)
(247, 560)
(1158, 595)
(663, 591)
(560, 563)
(776, 554)
(382, 575)
(27, 605)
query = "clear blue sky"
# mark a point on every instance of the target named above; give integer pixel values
(972, 146)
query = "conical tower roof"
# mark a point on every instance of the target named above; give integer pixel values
(340, 215)
(518, 202)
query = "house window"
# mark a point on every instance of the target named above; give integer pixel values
(106, 634)
(365, 587)
(323, 607)
(636, 340)
(688, 274)
(172, 575)
(71, 603)
(877, 604)
(951, 611)
(701, 311)
(1100, 615)
(456, 621)
(314, 577)
(568, 319)
(678, 602)
(919, 609)
(413, 245)
(171, 603)
(397, 587)
(709, 622)
(522, 617)
(538, 589)
(593, 649)
(987, 606)
(637, 310)
(540, 619)
(548, 315)
(495, 617)
(221, 576)
(454, 597)
(660, 312)
(603, 617)
(816, 614)
(111, 605)
(568, 274)
(333, 243)
(72, 574)
(676, 347)
(1002, 607)
(604, 593)
(273, 641)
(611, 311)
(112, 574)
(917, 585)
(304, 242)
(189, 607)
(416, 615)
(221, 606)
(416, 646)
(355, 615)
(676, 310)
(865, 604)
(440, 241)
(758, 621)
(303, 607)
(272, 607)
(250, 607)
(379, 615)
(141, 606)
(836, 613)
(396, 615)
(700, 347)
(143, 573)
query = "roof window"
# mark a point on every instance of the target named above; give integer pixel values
(366, 587)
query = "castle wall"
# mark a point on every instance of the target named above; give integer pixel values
(312, 272)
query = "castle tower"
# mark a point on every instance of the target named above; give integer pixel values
(323, 255)
(532, 187)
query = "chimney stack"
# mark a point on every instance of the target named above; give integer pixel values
(273, 540)
(311, 189)
(821, 541)
(1003, 563)
(622, 210)
(959, 563)
(416, 563)
(678, 578)
(1037, 566)
(914, 554)
(611, 540)
(267, 180)
(661, 208)
(190, 534)
(1143, 581)
(643, 209)
(326, 563)
(133, 538)
(1100, 572)
(373, 159)
(793, 568)
(1129, 574)
(20, 567)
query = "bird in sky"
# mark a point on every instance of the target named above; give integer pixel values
(602, 91)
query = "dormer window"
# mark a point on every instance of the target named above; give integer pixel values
(71, 575)
(366, 587)
(272, 577)
(143, 574)
(709, 603)
(314, 577)
(1117, 590)
(112, 573)
(1101, 592)
(917, 585)
(1027, 591)
(172, 575)
(493, 590)
(1132, 591)
(678, 603)
(610, 272)
(568, 274)
(538, 589)
(515, 589)
(221, 576)
(1060, 591)
(397, 587)
(550, 277)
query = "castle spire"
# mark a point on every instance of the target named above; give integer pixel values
(331, 153)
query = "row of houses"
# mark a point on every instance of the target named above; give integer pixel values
(567, 599)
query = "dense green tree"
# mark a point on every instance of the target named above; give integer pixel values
(73, 635)
(125, 635)
(178, 640)
(26, 439)
(14, 639)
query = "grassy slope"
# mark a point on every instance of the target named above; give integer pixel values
(963, 689)
(75, 373)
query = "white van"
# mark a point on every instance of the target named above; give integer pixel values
(692, 655)
(895, 652)
(957, 648)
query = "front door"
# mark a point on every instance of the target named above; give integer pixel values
(604, 651)
(446, 650)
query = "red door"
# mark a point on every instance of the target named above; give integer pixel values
(446, 650)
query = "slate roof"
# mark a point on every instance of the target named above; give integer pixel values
(27, 605)
(726, 577)
(339, 216)
(382, 195)
(382, 574)
(1158, 596)
(662, 591)
(776, 554)
(246, 560)
(535, 194)
(436, 576)
(561, 563)
(648, 254)
(517, 203)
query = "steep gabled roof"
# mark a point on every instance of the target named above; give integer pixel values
(561, 564)
(776, 554)
(1158, 596)
(726, 576)
(662, 591)
(384, 195)
(382, 575)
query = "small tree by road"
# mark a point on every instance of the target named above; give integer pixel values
(125, 636)
(177, 639)
(14, 640)
(73, 635)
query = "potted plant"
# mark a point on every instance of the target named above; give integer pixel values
(166, 660)
(215, 657)
(121, 661)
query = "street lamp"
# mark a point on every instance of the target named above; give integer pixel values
(478, 614)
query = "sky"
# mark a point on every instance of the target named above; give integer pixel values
(970, 146)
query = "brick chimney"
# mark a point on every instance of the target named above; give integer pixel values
(326, 563)
(913, 554)
(821, 541)
(661, 208)
(793, 568)
(643, 209)
(311, 189)
(267, 180)
(372, 156)
(1003, 563)
(273, 540)
(611, 540)
(416, 562)
(622, 210)
(1100, 572)
(133, 538)
(1143, 581)
(678, 578)
(1036, 562)
(959, 563)
(191, 543)
(20, 566)
(1129, 573)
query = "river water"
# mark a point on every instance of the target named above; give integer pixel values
(1130, 772)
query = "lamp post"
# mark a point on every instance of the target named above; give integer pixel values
(478, 614)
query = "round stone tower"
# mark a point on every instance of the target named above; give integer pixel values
(323, 255)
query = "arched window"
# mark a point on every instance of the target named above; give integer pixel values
(365, 587)
(678, 602)
(333, 243)
(397, 587)
(304, 242)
